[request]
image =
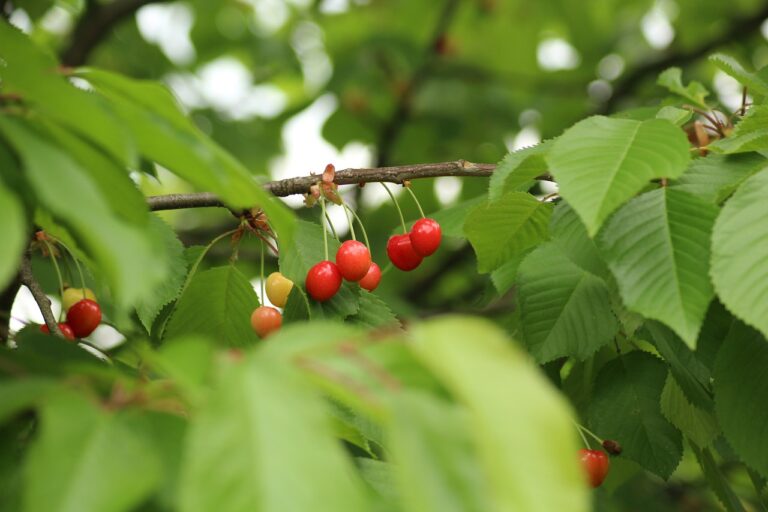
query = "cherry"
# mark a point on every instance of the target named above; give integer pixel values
(323, 281)
(83, 317)
(353, 259)
(595, 464)
(65, 329)
(371, 279)
(425, 236)
(265, 320)
(401, 253)
(73, 295)
(278, 287)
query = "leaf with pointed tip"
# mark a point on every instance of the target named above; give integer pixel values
(753, 82)
(373, 312)
(698, 425)
(674, 115)
(716, 177)
(600, 163)
(751, 134)
(518, 170)
(672, 80)
(657, 247)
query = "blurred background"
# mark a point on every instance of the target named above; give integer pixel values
(288, 86)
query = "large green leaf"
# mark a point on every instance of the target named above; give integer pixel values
(434, 456)
(626, 407)
(565, 310)
(694, 92)
(217, 303)
(739, 246)
(87, 460)
(518, 170)
(741, 383)
(500, 229)
(751, 134)
(715, 177)
(568, 233)
(373, 312)
(698, 425)
(657, 247)
(717, 480)
(263, 441)
(521, 427)
(13, 233)
(601, 162)
(124, 252)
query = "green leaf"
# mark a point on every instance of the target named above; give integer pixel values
(565, 310)
(716, 177)
(87, 460)
(751, 134)
(434, 457)
(504, 277)
(518, 170)
(379, 476)
(373, 312)
(676, 116)
(601, 162)
(123, 251)
(694, 92)
(498, 230)
(345, 303)
(297, 306)
(13, 233)
(717, 481)
(217, 303)
(168, 290)
(568, 233)
(20, 394)
(739, 243)
(452, 219)
(270, 429)
(305, 251)
(696, 424)
(753, 82)
(499, 386)
(657, 247)
(740, 383)
(626, 407)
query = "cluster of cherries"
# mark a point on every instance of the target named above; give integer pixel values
(83, 313)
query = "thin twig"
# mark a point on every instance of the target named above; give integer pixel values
(43, 302)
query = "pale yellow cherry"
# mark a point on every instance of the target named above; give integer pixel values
(278, 287)
(74, 295)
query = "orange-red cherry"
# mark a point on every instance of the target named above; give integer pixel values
(372, 278)
(84, 317)
(353, 259)
(401, 253)
(426, 236)
(65, 329)
(595, 464)
(266, 320)
(323, 281)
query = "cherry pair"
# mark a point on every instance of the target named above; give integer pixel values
(353, 263)
(407, 251)
(82, 317)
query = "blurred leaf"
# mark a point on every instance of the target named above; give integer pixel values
(696, 424)
(753, 82)
(672, 80)
(716, 177)
(676, 116)
(13, 233)
(21, 394)
(217, 303)
(378, 475)
(600, 163)
(750, 134)
(498, 230)
(373, 312)
(717, 481)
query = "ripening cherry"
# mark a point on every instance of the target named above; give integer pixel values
(323, 281)
(266, 320)
(278, 288)
(353, 259)
(425, 236)
(65, 329)
(84, 317)
(372, 278)
(595, 464)
(401, 253)
(74, 295)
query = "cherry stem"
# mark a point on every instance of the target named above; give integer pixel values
(349, 219)
(55, 266)
(77, 264)
(333, 228)
(585, 429)
(583, 438)
(325, 231)
(416, 199)
(262, 273)
(399, 211)
(365, 233)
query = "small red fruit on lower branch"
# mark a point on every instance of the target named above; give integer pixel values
(353, 259)
(426, 236)
(84, 317)
(595, 464)
(401, 253)
(372, 278)
(65, 329)
(323, 281)
(266, 320)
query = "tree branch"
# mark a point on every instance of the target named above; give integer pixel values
(738, 30)
(301, 184)
(96, 24)
(7, 297)
(43, 302)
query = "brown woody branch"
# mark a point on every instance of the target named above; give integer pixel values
(301, 184)
(43, 302)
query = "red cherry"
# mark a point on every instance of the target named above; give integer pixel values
(371, 279)
(65, 329)
(595, 464)
(84, 317)
(266, 320)
(401, 253)
(426, 236)
(323, 281)
(353, 259)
